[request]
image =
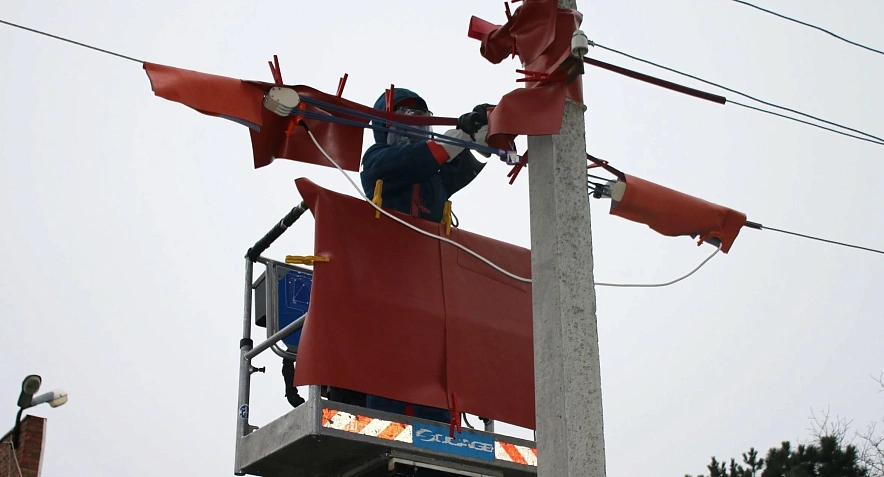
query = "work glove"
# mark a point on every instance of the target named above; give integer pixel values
(454, 150)
(471, 122)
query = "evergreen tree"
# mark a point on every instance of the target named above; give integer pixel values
(824, 458)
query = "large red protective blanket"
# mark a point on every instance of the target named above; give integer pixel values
(401, 315)
(674, 213)
(242, 101)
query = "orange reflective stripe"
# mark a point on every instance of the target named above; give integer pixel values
(327, 415)
(392, 431)
(514, 453)
(357, 425)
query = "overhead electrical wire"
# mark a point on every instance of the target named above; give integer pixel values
(810, 26)
(876, 139)
(757, 226)
(71, 41)
(704, 95)
(806, 122)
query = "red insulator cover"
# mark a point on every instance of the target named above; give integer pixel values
(674, 213)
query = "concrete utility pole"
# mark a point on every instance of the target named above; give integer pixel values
(567, 374)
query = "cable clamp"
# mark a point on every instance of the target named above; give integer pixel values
(455, 423)
(296, 120)
(511, 158)
(305, 259)
(378, 199)
(446, 217)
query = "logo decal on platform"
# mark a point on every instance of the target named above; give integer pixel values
(466, 443)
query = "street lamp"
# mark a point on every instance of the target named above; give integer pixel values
(26, 399)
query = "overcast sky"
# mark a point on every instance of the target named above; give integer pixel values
(124, 217)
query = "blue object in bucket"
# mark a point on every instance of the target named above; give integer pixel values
(294, 299)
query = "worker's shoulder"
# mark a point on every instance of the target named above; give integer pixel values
(374, 149)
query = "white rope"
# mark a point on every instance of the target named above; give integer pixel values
(422, 232)
(657, 285)
(474, 254)
(15, 458)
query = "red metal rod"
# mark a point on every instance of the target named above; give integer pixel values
(341, 83)
(657, 81)
(273, 73)
(390, 102)
(278, 71)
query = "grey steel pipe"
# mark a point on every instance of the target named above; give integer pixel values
(273, 339)
(277, 230)
(283, 354)
(245, 345)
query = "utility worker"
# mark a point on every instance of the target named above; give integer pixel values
(419, 176)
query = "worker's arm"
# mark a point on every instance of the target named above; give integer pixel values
(459, 172)
(402, 166)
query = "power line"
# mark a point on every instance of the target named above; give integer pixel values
(703, 95)
(806, 122)
(71, 41)
(811, 26)
(877, 140)
(757, 226)
(612, 50)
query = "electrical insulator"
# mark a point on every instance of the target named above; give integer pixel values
(281, 100)
(579, 44)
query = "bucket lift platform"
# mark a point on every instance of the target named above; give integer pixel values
(324, 438)
(327, 438)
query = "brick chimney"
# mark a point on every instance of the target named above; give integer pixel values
(29, 451)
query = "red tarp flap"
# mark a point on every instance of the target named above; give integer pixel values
(209, 94)
(673, 213)
(342, 142)
(242, 101)
(541, 36)
(532, 27)
(405, 316)
(478, 29)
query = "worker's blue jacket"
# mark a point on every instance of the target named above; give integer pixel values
(402, 167)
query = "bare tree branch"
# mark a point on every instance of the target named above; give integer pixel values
(823, 425)
(871, 442)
